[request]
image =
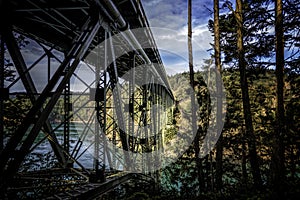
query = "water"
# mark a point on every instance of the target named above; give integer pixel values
(43, 157)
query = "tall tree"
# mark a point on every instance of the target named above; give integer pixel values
(193, 106)
(219, 148)
(278, 147)
(245, 95)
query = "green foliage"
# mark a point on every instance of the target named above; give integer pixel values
(15, 111)
(18, 106)
(180, 177)
(9, 70)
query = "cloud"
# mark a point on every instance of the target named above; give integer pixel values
(173, 13)
(175, 43)
(168, 19)
(166, 13)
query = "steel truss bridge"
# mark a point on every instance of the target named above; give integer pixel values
(93, 102)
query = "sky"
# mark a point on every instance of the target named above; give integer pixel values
(172, 43)
(168, 22)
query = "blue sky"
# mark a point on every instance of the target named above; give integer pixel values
(168, 20)
(172, 15)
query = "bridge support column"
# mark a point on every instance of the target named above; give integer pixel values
(131, 103)
(102, 155)
(113, 75)
(67, 110)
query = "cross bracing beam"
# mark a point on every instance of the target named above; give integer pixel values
(143, 129)
(30, 87)
(81, 45)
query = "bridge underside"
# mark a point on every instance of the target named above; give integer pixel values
(89, 95)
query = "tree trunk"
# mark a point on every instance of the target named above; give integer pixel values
(219, 148)
(244, 163)
(278, 148)
(246, 101)
(192, 83)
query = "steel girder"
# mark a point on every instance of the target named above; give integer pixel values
(113, 75)
(125, 113)
(104, 156)
(67, 111)
(30, 88)
(80, 46)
